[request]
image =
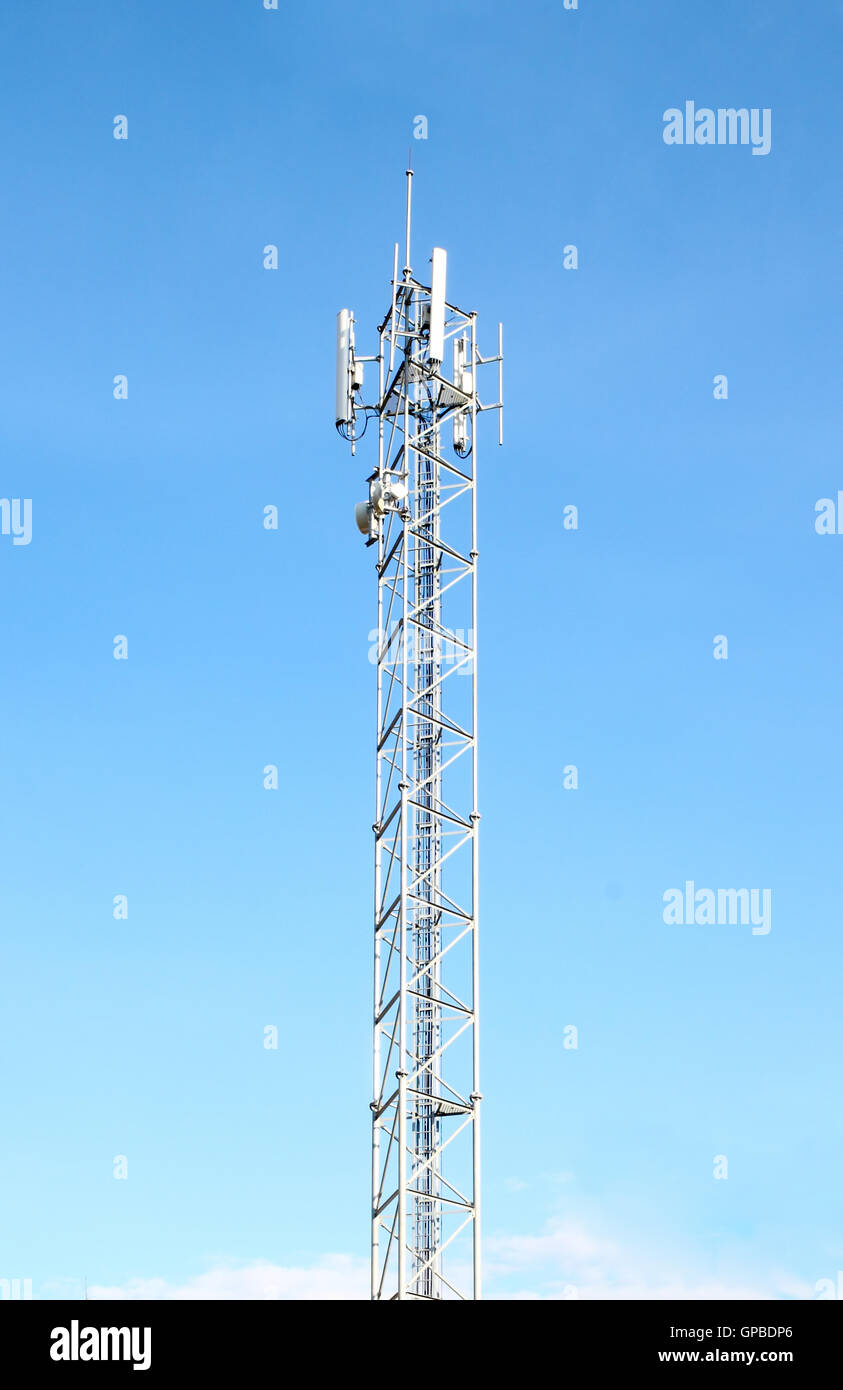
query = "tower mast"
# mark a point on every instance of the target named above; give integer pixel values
(421, 520)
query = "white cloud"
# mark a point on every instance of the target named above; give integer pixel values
(332, 1277)
(568, 1259)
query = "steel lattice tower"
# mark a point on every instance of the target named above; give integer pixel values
(421, 516)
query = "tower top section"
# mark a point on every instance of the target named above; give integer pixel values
(419, 327)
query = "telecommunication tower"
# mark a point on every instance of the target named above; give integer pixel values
(420, 518)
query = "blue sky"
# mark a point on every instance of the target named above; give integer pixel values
(143, 777)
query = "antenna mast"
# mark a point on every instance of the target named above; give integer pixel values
(421, 521)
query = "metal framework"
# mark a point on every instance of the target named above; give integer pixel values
(421, 516)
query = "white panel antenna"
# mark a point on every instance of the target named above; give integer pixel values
(460, 418)
(436, 340)
(345, 343)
